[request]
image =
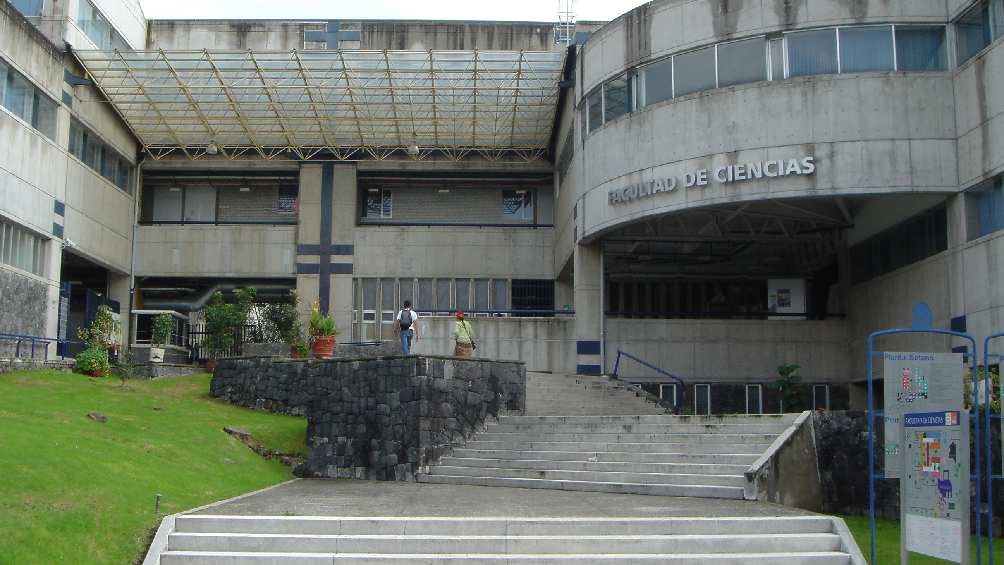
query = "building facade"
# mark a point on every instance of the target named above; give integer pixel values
(714, 188)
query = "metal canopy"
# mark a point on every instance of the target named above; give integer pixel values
(333, 104)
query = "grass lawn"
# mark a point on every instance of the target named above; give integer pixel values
(887, 543)
(73, 490)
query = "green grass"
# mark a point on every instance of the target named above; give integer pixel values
(887, 543)
(77, 491)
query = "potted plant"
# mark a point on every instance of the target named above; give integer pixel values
(160, 333)
(322, 334)
(93, 360)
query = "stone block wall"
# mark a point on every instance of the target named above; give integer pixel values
(23, 304)
(384, 418)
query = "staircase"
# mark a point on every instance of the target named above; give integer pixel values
(224, 540)
(571, 395)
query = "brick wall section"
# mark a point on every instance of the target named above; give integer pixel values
(382, 419)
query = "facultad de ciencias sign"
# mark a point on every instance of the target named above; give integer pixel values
(725, 175)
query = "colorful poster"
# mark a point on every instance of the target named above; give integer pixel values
(916, 382)
(934, 495)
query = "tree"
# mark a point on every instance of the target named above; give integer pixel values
(788, 385)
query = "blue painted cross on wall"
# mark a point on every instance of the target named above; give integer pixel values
(331, 35)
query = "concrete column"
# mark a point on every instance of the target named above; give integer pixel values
(588, 309)
(118, 290)
(325, 239)
(53, 268)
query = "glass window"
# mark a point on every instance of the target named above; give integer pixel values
(594, 108)
(426, 297)
(463, 290)
(658, 81)
(920, 48)
(694, 71)
(28, 8)
(379, 204)
(21, 248)
(500, 294)
(972, 31)
(777, 59)
(820, 397)
(407, 290)
(985, 208)
(866, 49)
(167, 204)
(388, 301)
(97, 28)
(200, 204)
(443, 302)
(812, 52)
(742, 61)
(702, 400)
(668, 394)
(617, 97)
(754, 399)
(3, 82)
(481, 290)
(19, 96)
(517, 205)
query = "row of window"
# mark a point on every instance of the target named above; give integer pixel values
(516, 205)
(978, 27)
(381, 298)
(851, 49)
(24, 100)
(99, 156)
(913, 240)
(985, 208)
(28, 8)
(97, 27)
(21, 248)
(753, 401)
(210, 201)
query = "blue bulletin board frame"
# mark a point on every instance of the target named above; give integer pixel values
(987, 356)
(922, 323)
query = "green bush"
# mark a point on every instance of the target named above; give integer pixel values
(321, 324)
(224, 320)
(99, 333)
(161, 329)
(93, 361)
(789, 386)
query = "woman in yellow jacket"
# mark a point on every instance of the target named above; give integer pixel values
(463, 335)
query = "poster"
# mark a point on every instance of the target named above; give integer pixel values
(916, 382)
(935, 483)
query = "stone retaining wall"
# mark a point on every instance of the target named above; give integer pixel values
(384, 418)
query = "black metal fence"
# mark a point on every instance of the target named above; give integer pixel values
(200, 351)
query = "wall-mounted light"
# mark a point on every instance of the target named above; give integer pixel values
(245, 189)
(413, 150)
(174, 189)
(212, 148)
(443, 191)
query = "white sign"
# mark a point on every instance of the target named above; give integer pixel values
(726, 174)
(934, 537)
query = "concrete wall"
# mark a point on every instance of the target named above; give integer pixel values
(219, 251)
(979, 91)
(544, 344)
(730, 350)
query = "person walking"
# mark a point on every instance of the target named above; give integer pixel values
(406, 327)
(463, 335)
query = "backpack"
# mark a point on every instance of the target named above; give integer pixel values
(406, 324)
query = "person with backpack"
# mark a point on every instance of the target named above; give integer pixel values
(463, 335)
(406, 327)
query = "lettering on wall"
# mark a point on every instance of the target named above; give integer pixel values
(727, 174)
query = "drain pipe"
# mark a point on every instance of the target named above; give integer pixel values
(137, 185)
(602, 301)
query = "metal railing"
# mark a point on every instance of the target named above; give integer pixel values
(35, 343)
(678, 400)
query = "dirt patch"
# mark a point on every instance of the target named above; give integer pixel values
(245, 437)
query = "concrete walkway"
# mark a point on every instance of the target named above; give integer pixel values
(347, 497)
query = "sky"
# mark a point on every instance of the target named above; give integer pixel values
(505, 10)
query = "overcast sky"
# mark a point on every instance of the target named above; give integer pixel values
(511, 10)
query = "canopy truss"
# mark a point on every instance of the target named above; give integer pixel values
(343, 105)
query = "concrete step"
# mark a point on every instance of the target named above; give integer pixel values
(503, 544)
(597, 466)
(605, 437)
(222, 558)
(781, 419)
(510, 426)
(645, 447)
(610, 456)
(593, 476)
(700, 491)
(341, 525)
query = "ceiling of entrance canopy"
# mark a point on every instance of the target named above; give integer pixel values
(333, 104)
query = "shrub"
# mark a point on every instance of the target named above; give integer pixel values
(98, 334)
(161, 329)
(224, 321)
(283, 321)
(93, 361)
(788, 385)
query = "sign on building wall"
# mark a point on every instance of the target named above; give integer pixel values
(916, 382)
(934, 489)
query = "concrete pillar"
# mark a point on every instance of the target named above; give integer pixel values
(588, 309)
(55, 261)
(118, 290)
(325, 240)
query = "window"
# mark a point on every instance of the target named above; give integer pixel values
(379, 204)
(517, 205)
(426, 296)
(617, 97)
(917, 238)
(667, 393)
(975, 30)
(500, 294)
(443, 302)
(200, 204)
(921, 48)
(22, 249)
(594, 109)
(388, 300)
(369, 300)
(98, 29)
(528, 294)
(820, 397)
(694, 71)
(812, 52)
(702, 400)
(462, 288)
(865, 49)
(28, 8)
(658, 81)
(985, 208)
(777, 59)
(27, 102)
(754, 399)
(482, 300)
(100, 157)
(742, 61)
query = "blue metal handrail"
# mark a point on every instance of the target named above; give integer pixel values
(661, 371)
(32, 339)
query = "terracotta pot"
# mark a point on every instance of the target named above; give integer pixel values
(294, 353)
(323, 346)
(211, 364)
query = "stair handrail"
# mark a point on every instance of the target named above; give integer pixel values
(677, 400)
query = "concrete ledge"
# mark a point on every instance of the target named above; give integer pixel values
(847, 543)
(788, 472)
